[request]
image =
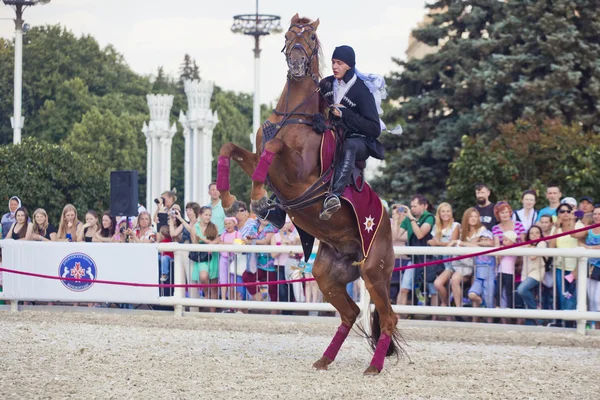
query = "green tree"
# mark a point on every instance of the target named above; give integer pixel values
(50, 176)
(186, 69)
(114, 142)
(234, 126)
(551, 69)
(438, 97)
(527, 155)
(58, 67)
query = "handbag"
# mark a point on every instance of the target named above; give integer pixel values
(594, 272)
(200, 256)
(464, 266)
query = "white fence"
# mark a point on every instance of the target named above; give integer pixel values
(178, 300)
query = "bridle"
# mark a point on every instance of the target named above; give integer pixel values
(287, 49)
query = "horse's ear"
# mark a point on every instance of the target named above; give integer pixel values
(315, 24)
(295, 18)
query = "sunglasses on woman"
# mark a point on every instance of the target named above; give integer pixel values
(563, 211)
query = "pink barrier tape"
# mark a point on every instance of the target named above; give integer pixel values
(283, 282)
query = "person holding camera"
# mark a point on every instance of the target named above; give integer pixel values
(143, 232)
(164, 204)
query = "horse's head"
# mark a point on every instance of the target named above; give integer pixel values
(301, 47)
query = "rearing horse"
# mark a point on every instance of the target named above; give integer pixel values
(291, 163)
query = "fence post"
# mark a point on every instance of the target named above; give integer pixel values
(581, 292)
(365, 304)
(178, 273)
(14, 306)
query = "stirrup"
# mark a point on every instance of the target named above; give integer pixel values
(330, 206)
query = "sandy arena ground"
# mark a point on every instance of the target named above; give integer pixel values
(108, 356)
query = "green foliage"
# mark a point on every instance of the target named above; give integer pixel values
(527, 155)
(63, 77)
(235, 115)
(499, 62)
(438, 98)
(50, 176)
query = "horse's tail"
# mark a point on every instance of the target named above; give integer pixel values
(396, 344)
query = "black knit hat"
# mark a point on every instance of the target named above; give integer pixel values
(345, 54)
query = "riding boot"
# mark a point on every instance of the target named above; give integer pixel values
(342, 176)
(276, 216)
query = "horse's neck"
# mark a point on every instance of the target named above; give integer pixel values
(295, 93)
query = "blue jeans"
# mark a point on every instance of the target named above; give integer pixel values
(165, 264)
(569, 303)
(525, 290)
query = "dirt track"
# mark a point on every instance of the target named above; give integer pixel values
(74, 355)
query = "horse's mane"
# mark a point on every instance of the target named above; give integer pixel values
(306, 21)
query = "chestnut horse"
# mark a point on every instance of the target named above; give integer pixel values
(293, 163)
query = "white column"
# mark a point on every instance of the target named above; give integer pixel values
(159, 137)
(200, 122)
(187, 169)
(17, 120)
(256, 99)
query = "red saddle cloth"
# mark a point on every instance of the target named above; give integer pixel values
(367, 206)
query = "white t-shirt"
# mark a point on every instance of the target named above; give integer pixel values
(446, 233)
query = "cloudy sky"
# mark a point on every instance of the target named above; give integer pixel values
(151, 33)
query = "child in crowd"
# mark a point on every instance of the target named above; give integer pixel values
(166, 257)
(312, 288)
(482, 289)
(506, 272)
(227, 237)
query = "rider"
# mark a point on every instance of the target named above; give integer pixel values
(354, 109)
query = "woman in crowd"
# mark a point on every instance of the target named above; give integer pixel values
(108, 228)
(21, 226)
(165, 202)
(90, 228)
(503, 212)
(546, 224)
(143, 232)
(9, 218)
(206, 270)
(69, 224)
(444, 232)
(566, 266)
(247, 228)
(470, 232)
(526, 215)
(41, 229)
(506, 273)
(265, 269)
(533, 270)
(592, 241)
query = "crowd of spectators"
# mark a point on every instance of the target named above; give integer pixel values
(486, 281)
(505, 281)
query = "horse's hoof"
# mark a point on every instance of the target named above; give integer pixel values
(232, 210)
(322, 364)
(371, 371)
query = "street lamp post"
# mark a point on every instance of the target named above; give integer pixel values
(256, 25)
(19, 6)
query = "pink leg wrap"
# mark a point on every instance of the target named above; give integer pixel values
(260, 173)
(223, 173)
(382, 347)
(336, 342)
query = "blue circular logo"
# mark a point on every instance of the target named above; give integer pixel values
(78, 266)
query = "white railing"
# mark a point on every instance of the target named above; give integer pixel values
(178, 299)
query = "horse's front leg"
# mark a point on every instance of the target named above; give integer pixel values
(272, 148)
(244, 158)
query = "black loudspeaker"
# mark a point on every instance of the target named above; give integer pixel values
(124, 193)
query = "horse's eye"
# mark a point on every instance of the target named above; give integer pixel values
(313, 36)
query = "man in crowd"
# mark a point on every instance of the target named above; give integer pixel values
(417, 224)
(586, 204)
(553, 194)
(484, 206)
(218, 214)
